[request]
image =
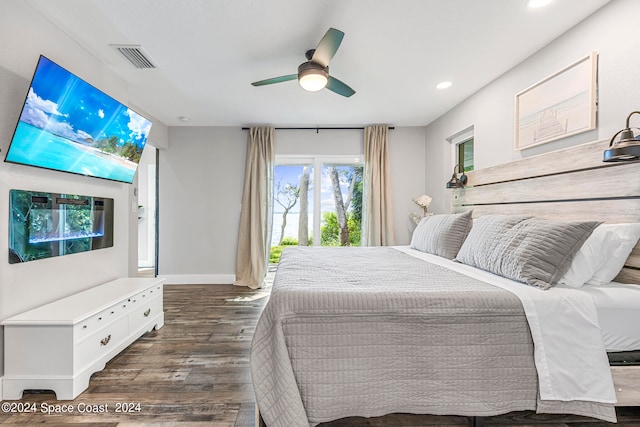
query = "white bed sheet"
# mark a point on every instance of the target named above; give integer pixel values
(558, 319)
(618, 307)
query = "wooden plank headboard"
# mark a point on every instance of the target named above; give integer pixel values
(572, 184)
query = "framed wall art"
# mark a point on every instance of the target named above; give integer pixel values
(558, 106)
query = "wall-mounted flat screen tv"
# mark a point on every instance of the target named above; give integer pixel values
(68, 125)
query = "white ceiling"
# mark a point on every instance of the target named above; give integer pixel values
(393, 53)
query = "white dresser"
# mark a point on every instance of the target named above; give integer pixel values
(58, 346)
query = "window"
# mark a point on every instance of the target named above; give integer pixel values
(465, 154)
(462, 149)
(317, 201)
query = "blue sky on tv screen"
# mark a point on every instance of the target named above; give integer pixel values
(67, 106)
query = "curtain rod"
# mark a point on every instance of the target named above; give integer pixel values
(319, 128)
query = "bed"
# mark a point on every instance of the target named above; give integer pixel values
(371, 331)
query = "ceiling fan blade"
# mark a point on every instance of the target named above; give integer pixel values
(275, 80)
(327, 47)
(338, 87)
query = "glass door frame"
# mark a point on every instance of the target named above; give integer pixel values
(316, 161)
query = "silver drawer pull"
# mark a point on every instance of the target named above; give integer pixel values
(146, 313)
(105, 340)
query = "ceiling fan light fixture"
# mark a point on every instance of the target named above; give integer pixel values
(313, 77)
(313, 82)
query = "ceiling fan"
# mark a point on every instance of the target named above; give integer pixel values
(313, 75)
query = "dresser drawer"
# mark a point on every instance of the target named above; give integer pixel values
(143, 313)
(97, 345)
(146, 295)
(96, 322)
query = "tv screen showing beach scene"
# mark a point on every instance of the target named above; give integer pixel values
(68, 125)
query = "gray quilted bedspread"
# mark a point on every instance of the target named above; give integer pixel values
(372, 331)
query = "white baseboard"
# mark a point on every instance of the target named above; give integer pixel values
(0, 389)
(198, 279)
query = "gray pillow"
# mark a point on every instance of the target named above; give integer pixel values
(534, 251)
(442, 235)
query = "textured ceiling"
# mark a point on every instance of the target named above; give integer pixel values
(393, 53)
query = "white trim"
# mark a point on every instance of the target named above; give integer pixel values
(317, 200)
(149, 220)
(462, 136)
(151, 215)
(459, 138)
(1, 388)
(198, 279)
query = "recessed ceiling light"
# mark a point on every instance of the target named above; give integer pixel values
(443, 85)
(184, 119)
(538, 3)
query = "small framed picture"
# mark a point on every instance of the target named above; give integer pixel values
(558, 106)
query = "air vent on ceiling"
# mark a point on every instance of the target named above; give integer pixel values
(135, 55)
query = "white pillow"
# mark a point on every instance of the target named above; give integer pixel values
(602, 256)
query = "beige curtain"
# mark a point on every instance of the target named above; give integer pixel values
(254, 237)
(377, 227)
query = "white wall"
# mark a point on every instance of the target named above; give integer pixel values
(27, 285)
(25, 36)
(491, 110)
(408, 172)
(201, 181)
(201, 177)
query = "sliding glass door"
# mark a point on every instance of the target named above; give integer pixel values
(317, 201)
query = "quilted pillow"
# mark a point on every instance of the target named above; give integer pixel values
(442, 235)
(534, 251)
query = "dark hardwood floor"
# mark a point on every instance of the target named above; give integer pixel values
(195, 372)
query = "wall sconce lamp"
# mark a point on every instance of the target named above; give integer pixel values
(456, 182)
(627, 148)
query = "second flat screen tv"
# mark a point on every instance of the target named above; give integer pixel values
(67, 124)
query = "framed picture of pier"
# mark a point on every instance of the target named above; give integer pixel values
(558, 106)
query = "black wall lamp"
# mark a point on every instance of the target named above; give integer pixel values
(627, 148)
(456, 182)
